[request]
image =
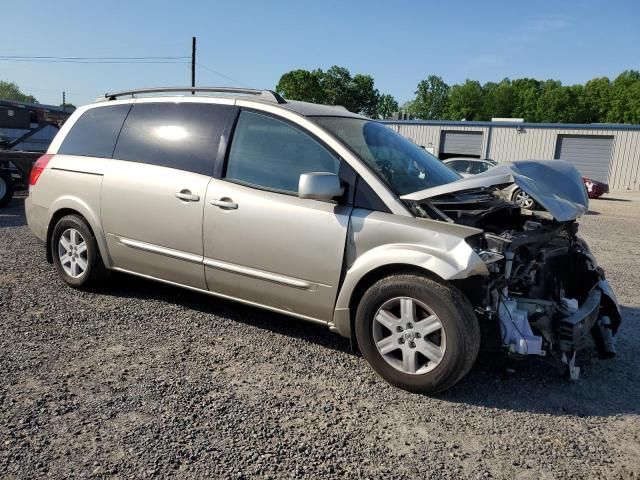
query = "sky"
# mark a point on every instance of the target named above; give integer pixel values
(252, 43)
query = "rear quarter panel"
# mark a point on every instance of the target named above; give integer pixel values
(69, 182)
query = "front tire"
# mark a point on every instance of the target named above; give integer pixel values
(75, 253)
(6, 188)
(416, 333)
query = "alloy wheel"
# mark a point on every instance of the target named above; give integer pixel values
(72, 253)
(523, 199)
(409, 335)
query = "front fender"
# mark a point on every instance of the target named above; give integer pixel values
(432, 246)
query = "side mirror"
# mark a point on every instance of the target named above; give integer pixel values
(319, 186)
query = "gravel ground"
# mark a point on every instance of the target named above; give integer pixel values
(143, 379)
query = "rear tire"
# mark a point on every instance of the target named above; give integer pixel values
(75, 253)
(429, 349)
(6, 188)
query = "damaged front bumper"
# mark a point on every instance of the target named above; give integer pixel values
(595, 318)
(574, 329)
(549, 296)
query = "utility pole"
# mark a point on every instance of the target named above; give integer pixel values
(193, 64)
(64, 101)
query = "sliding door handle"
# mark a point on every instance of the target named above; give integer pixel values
(187, 196)
(225, 203)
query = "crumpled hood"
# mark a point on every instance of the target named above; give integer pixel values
(556, 185)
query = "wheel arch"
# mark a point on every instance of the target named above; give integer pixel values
(344, 316)
(514, 193)
(375, 275)
(63, 209)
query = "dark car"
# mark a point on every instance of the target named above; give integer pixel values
(595, 189)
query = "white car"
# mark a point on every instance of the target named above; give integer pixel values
(468, 167)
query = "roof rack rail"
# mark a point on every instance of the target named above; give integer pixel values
(268, 95)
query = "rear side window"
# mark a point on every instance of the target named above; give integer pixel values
(478, 167)
(184, 136)
(272, 154)
(95, 133)
(459, 166)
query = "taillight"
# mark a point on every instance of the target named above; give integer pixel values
(38, 167)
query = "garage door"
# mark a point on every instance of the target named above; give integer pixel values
(591, 155)
(468, 144)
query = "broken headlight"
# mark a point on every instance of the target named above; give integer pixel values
(489, 247)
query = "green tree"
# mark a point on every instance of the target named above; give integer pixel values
(497, 100)
(11, 91)
(365, 97)
(625, 98)
(70, 107)
(552, 102)
(302, 85)
(596, 98)
(465, 101)
(432, 98)
(525, 98)
(387, 105)
(336, 86)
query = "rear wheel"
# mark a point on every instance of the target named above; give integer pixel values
(416, 333)
(523, 199)
(75, 253)
(6, 188)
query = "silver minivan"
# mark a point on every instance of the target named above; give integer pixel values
(326, 216)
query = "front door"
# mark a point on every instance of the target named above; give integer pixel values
(262, 243)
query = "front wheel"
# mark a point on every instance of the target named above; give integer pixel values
(416, 333)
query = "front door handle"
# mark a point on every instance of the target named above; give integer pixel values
(225, 203)
(187, 196)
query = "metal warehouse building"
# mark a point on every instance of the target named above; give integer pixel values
(606, 152)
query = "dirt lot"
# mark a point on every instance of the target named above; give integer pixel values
(143, 379)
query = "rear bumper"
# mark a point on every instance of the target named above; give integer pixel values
(37, 218)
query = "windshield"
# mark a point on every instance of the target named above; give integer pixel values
(404, 166)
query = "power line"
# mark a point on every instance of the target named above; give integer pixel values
(223, 75)
(93, 62)
(44, 57)
(57, 90)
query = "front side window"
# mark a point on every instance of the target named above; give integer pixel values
(404, 166)
(269, 153)
(94, 134)
(181, 135)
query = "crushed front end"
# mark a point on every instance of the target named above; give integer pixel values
(545, 293)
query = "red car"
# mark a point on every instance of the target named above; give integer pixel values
(595, 189)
